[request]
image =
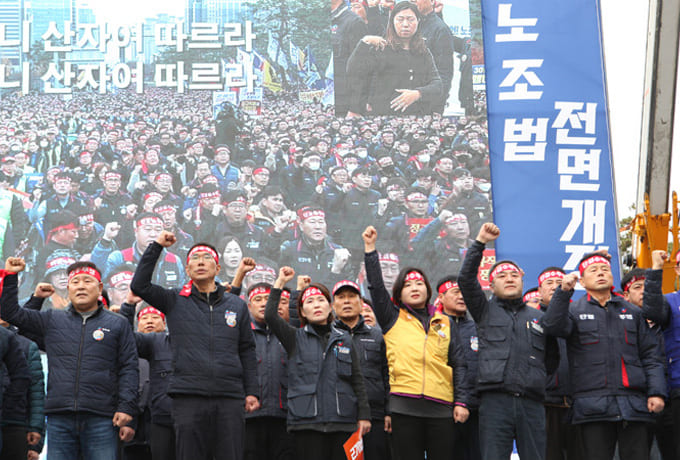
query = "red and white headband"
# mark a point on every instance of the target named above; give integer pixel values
(502, 268)
(85, 271)
(150, 311)
(593, 260)
(531, 295)
(258, 291)
(311, 291)
(206, 195)
(632, 280)
(306, 213)
(285, 295)
(448, 285)
(549, 274)
(201, 248)
(149, 221)
(415, 196)
(120, 278)
(414, 276)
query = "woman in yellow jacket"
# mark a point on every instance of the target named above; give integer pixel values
(428, 385)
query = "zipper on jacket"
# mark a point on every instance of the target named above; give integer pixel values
(80, 357)
(212, 363)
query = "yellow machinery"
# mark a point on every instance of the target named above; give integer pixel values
(650, 232)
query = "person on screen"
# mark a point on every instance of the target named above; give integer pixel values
(395, 75)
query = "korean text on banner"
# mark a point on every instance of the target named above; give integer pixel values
(549, 142)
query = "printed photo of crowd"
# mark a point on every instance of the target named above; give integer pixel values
(98, 177)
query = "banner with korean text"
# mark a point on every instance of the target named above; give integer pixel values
(550, 153)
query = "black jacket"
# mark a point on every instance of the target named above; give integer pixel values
(376, 75)
(15, 369)
(155, 348)
(212, 344)
(470, 343)
(92, 363)
(371, 350)
(272, 373)
(615, 360)
(514, 349)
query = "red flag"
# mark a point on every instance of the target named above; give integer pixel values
(354, 447)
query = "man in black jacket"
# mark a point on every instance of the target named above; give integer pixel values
(15, 369)
(266, 435)
(92, 358)
(615, 362)
(214, 361)
(466, 435)
(371, 349)
(514, 353)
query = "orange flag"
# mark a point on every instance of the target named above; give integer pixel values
(354, 447)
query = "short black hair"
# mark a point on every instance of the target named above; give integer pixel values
(259, 285)
(446, 279)
(203, 244)
(634, 273)
(82, 264)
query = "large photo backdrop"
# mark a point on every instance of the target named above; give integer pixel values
(276, 130)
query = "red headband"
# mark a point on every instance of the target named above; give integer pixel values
(207, 249)
(85, 271)
(150, 311)
(152, 194)
(87, 218)
(259, 170)
(632, 280)
(448, 285)
(389, 257)
(415, 195)
(60, 261)
(206, 195)
(593, 260)
(258, 291)
(112, 175)
(285, 295)
(120, 277)
(149, 221)
(166, 175)
(502, 268)
(530, 295)
(414, 276)
(71, 226)
(311, 291)
(164, 208)
(550, 274)
(306, 213)
(456, 218)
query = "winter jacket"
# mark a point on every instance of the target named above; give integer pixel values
(615, 361)
(514, 349)
(212, 344)
(92, 362)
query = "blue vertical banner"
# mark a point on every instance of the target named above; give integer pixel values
(550, 154)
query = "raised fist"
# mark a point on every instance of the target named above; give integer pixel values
(488, 232)
(43, 290)
(166, 239)
(15, 264)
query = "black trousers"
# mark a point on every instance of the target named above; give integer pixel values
(563, 440)
(413, 436)
(14, 443)
(600, 439)
(675, 408)
(162, 441)
(267, 439)
(376, 442)
(316, 445)
(504, 417)
(208, 428)
(466, 438)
